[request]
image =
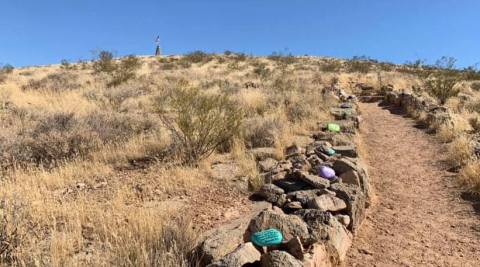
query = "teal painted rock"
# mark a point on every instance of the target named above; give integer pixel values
(333, 127)
(330, 151)
(270, 237)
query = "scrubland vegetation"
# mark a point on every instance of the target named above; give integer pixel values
(100, 160)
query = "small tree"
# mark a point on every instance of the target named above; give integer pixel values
(442, 86)
(104, 63)
(199, 122)
(125, 70)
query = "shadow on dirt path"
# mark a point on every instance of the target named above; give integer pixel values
(418, 216)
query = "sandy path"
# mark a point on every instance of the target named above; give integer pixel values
(417, 217)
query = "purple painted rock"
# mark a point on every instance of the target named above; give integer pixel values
(327, 172)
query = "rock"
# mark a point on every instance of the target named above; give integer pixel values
(272, 194)
(313, 180)
(299, 162)
(293, 150)
(327, 202)
(293, 206)
(271, 177)
(267, 164)
(244, 254)
(324, 227)
(317, 257)
(343, 219)
(304, 196)
(278, 258)
(290, 185)
(314, 161)
(295, 248)
(221, 241)
(347, 151)
(224, 239)
(262, 153)
(351, 177)
(343, 165)
(355, 200)
(342, 113)
(283, 165)
(290, 225)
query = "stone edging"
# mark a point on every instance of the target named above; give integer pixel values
(317, 217)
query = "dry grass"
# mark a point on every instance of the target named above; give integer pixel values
(460, 151)
(470, 175)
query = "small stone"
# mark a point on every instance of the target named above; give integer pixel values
(271, 193)
(293, 150)
(290, 185)
(350, 177)
(343, 165)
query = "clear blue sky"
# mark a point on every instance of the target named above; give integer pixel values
(45, 31)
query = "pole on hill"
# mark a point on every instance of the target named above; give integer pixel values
(157, 50)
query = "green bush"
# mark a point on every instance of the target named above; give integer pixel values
(442, 86)
(200, 122)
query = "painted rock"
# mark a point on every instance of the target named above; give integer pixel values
(270, 237)
(327, 172)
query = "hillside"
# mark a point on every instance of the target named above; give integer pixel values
(128, 161)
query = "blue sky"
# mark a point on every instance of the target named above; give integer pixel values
(36, 32)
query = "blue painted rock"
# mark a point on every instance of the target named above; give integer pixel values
(270, 237)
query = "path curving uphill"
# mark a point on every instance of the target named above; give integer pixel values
(417, 217)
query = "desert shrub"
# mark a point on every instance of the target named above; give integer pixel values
(6, 69)
(65, 65)
(58, 137)
(262, 132)
(459, 151)
(125, 70)
(262, 71)
(297, 111)
(283, 84)
(282, 59)
(359, 64)
(114, 127)
(442, 86)
(115, 97)
(57, 82)
(104, 63)
(201, 122)
(475, 86)
(475, 123)
(470, 175)
(198, 57)
(330, 66)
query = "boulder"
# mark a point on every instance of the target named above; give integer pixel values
(351, 177)
(327, 202)
(347, 151)
(293, 150)
(344, 165)
(313, 180)
(317, 257)
(343, 219)
(244, 254)
(355, 200)
(267, 164)
(278, 258)
(272, 194)
(290, 225)
(290, 185)
(224, 239)
(295, 248)
(324, 227)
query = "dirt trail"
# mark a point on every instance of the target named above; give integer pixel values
(418, 217)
